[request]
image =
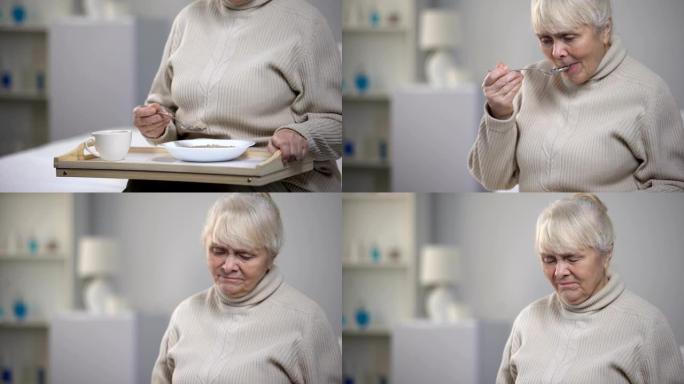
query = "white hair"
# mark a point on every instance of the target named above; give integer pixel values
(573, 224)
(557, 16)
(245, 220)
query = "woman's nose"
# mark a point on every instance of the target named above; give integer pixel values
(559, 50)
(561, 269)
(229, 264)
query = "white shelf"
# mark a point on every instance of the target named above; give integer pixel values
(367, 332)
(371, 29)
(25, 324)
(31, 257)
(23, 96)
(366, 97)
(401, 266)
(365, 164)
(23, 28)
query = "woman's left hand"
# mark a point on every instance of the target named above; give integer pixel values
(291, 144)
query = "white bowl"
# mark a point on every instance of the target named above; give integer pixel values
(206, 150)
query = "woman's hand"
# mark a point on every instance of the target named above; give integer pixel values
(150, 121)
(291, 144)
(500, 87)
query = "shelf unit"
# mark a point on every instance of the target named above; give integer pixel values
(24, 97)
(375, 225)
(42, 280)
(386, 52)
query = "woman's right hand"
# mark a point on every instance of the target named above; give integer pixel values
(150, 120)
(500, 87)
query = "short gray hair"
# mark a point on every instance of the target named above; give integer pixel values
(575, 223)
(556, 16)
(245, 220)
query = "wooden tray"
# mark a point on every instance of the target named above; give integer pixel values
(256, 167)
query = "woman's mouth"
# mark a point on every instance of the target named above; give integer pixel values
(567, 284)
(573, 68)
(230, 279)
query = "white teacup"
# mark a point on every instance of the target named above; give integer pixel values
(111, 145)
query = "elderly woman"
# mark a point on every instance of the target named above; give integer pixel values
(591, 329)
(250, 326)
(261, 70)
(603, 123)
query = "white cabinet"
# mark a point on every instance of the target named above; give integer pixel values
(466, 352)
(432, 133)
(104, 349)
(379, 43)
(381, 233)
(37, 233)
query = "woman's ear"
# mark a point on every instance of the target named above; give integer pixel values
(607, 32)
(607, 258)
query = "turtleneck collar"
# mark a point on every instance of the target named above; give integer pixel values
(611, 60)
(249, 4)
(601, 299)
(265, 288)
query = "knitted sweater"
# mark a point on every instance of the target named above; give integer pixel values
(274, 334)
(612, 337)
(620, 131)
(249, 71)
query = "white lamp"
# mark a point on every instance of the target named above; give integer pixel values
(440, 34)
(97, 262)
(440, 270)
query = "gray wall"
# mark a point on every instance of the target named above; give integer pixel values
(501, 270)
(163, 261)
(499, 30)
(331, 9)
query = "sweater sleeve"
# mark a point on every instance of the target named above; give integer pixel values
(492, 160)
(661, 359)
(317, 108)
(662, 135)
(160, 91)
(162, 372)
(320, 353)
(507, 373)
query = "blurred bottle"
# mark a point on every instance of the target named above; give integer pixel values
(19, 12)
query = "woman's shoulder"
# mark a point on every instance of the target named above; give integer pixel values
(294, 302)
(636, 74)
(193, 303)
(644, 313)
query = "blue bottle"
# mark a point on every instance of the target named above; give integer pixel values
(348, 148)
(374, 18)
(362, 81)
(375, 253)
(6, 80)
(20, 309)
(19, 13)
(362, 318)
(6, 375)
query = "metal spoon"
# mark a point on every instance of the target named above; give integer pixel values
(196, 127)
(547, 72)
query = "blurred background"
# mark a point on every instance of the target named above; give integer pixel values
(401, 250)
(409, 131)
(70, 67)
(148, 248)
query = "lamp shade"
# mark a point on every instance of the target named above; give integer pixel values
(97, 256)
(439, 29)
(439, 265)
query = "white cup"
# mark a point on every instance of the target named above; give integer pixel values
(111, 145)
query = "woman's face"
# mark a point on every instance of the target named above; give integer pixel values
(576, 276)
(582, 49)
(237, 271)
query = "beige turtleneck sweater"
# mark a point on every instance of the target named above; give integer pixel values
(274, 334)
(612, 337)
(620, 131)
(251, 70)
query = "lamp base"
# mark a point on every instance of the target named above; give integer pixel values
(441, 70)
(96, 294)
(442, 307)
